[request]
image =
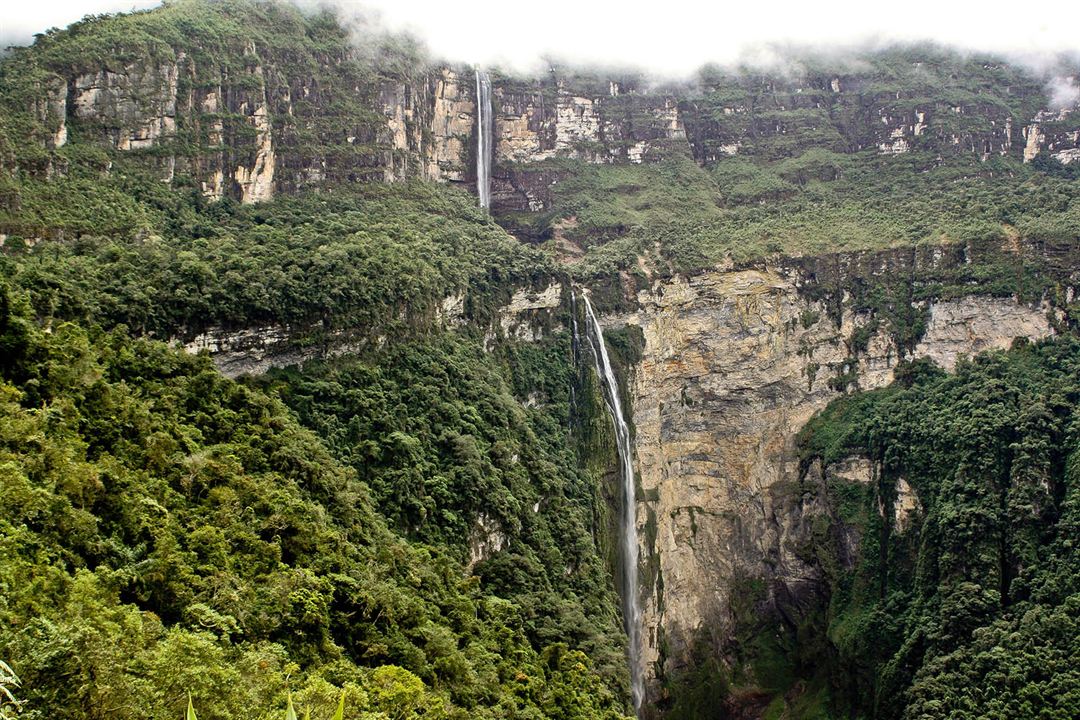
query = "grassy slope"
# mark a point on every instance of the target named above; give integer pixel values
(680, 217)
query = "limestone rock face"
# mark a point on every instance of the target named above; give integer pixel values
(52, 112)
(526, 299)
(485, 539)
(452, 126)
(139, 106)
(734, 364)
(1034, 140)
(538, 123)
(906, 506)
(1055, 132)
(430, 126)
(518, 319)
(256, 126)
(257, 183)
(255, 350)
(259, 123)
(136, 104)
(531, 126)
(853, 469)
(1069, 155)
(528, 315)
(970, 325)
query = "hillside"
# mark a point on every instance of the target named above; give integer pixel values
(287, 415)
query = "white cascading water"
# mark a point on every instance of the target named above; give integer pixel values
(631, 606)
(484, 137)
(575, 349)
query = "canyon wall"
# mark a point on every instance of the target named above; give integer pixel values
(257, 123)
(734, 363)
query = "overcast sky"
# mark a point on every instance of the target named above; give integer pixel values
(669, 37)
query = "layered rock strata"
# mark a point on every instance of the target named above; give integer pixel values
(254, 125)
(734, 364)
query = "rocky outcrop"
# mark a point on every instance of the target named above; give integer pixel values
(973, 324)
(429, 126)
(51, 111)
(734, 364)
(253, 351)
(518, 319)
(135, 106)
(257, 182)
(1054, 132)
(486, 538)
(151, 109)
(536, 123)
(527, 317)
(906, 505)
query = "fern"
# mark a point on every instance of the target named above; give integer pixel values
(9, 705)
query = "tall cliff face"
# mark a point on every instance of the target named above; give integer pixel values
(253, 133)
(259, 99)
(239, 99)
(734, 363)
(265, 129)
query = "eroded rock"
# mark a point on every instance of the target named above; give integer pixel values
(734, 364)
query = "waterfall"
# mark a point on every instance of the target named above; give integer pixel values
(631, 604)
(484, 137)
(575, 351)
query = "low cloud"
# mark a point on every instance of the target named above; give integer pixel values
(668, 44)
(1064, 92)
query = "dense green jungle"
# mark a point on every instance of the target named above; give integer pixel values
(416, 514)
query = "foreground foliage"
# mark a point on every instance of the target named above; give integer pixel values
(165, 530)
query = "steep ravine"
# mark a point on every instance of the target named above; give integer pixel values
(202, 173)
(734, 363)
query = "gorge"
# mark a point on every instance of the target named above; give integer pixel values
(332, 371)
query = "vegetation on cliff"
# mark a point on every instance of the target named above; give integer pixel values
(375, 257)
(967, 604)
(674, 216)
(424, 523)
(166, 531)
